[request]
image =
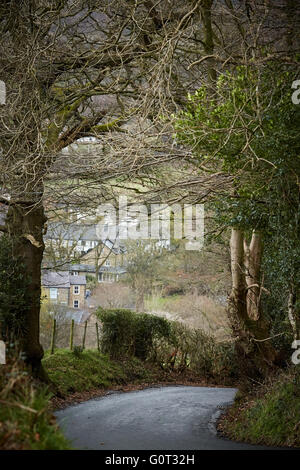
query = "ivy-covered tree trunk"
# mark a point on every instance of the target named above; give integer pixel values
(252, 264)
(251, 330)
(25, 225)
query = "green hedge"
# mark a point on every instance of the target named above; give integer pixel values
(126, 333)
(170, 344)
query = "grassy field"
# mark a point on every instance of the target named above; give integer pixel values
(271, 416)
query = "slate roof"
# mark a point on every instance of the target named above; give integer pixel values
(61, 279)
(77, 280)
(92, 269)
(56, 279)
(79, 316)
(76, 232)
(82, 267)
(76, 314)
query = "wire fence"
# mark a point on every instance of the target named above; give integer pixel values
(67, 335)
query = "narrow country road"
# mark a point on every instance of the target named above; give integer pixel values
(164, 418)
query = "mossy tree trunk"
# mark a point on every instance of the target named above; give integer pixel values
(25, 224)
(251, 330)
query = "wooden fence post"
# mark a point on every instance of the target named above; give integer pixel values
(84, 334)
(71, 335)
(98, 342)
(53, 336)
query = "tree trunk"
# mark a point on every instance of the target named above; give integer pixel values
(25, 223)
(140, 302)
(292, 313)
(252, 263)
(208, 38)
(252, 332)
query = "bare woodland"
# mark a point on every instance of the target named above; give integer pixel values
(119, 71)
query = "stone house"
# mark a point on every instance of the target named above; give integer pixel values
(104, 259)
(64, 289)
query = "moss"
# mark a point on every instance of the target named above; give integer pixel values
(91, 370)
(270, 417)
(109, 126)
(25, 420)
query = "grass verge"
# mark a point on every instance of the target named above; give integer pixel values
(25, 420)
(270, 415)
(90, 370)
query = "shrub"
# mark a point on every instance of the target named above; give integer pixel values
(170, 344)
(126, 333)
(77, 351)
(91, 281)
(171, 290)
(149, 330)
(198, 351)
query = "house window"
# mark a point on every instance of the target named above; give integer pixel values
(100, 277)
(75, 273)
(107, 262)
(53, 293)
(76, 303)
(76, 290)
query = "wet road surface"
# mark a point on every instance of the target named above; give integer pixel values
(164, 418)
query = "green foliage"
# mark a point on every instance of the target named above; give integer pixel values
(25, 420)
(14, 292)
(171, 345)
(197, 351)
(271, 417)
(144, 264)
(92, 370)
(126, 333)
(91, 281)
(77, 351)
(249, 131)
